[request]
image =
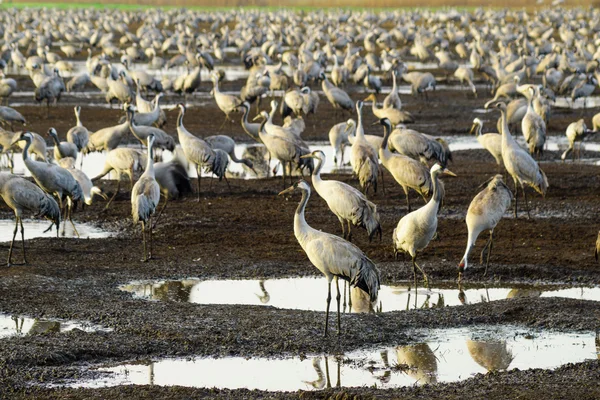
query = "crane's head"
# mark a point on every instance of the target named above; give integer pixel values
(305, 90)
(349, 125)
(77, 109)
(476, 123)
(497, 104)
(300, 185)
(52, 132)
(437, 169)
(274, 105)
(318, 154)
(359, 106)
(322, 75)
(24, 136)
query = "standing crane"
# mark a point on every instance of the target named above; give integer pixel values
(145, 197)
(492, 142)
(416, 229)
(485, 211)
(363, 159)
(53, 179)
(347, 203)
(533, 127)
(62, 149)
(23, 196)
(409, 173)
(198, 152)
(333, 256)
(519, 164)
(79, 134)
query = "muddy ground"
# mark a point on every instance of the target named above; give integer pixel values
(247, 232)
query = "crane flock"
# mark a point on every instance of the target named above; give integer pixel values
(302, 62)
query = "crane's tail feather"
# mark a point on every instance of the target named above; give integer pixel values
(367, 278)
(49, 209)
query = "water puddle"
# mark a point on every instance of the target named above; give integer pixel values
(36, 228)
(309, 293)
(588, 102)
(11, 325)
(439, 355)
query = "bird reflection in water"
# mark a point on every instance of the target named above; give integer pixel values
(265, 297)
(323, 379)
(419, 362)
(166, 291)
(493, 355)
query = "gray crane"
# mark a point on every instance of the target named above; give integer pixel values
(173, 181)
(349, 205)
(333, 256)
(519, 164)
(227, 144)
(394, 115)
(484, 213)
(62, 149)
(492, 142)
(23, 196)
(533, 127)
(123, 160)
(364, 160)
(9, 116)
(106, 139)
(409, 173)
(416, 229)
(87, 187)
(162, 140)
(145, 196)
(576, 132)
(199, 153)
(338, 98)
(53, 179)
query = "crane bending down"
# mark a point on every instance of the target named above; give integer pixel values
(485, 211)
(145, 197)
(333, 256)
(416, 229)
(346, 202)
(23, 196)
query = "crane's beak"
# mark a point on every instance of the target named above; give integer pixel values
(472, 129)
(307, 156)
(286, 191)
(448, 172)
(257, 117)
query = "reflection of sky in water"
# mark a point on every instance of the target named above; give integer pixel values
(15, 326)
(309, 293)
(445, 355)
(36, 228)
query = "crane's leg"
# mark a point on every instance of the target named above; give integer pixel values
(227, 181)
(344, 305)
(339, 321)
(425, 278)
(328, 303)
(283, 172)
(407, 200)
(349, 295)
(131, 178)
(70, 208)
(198, 181)
(349, 230)
(343, 227)
(150, 226)
(414, 265)
(10, 249)
(161, 211)
(23, 240)
(489, 252)
(144, 241)
(382, 182)
(114, 194)
(516, 196)
(526, 203)
(327, 372)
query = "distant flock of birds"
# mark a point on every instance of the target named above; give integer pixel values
(526, 60)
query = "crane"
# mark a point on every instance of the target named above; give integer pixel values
(485, 211)
(333, 256)
(145, 197)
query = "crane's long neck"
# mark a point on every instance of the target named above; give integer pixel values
(436, 199)
(26, 150)
(374, 106)
(301, 228)
(55, 139)
(464, 263)
(386, 137)
(150, 161)
(316, 175)
(216, 86)
(478, 129)
(156, 102)
(506, 136)
(394, 85)
(360, 132)
(77, 117)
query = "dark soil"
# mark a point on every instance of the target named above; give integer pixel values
(247, 232)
